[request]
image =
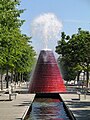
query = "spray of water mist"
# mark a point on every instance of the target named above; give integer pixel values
(46, 27)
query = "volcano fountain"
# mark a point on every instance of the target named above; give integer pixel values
(47, 82)
(47, 77)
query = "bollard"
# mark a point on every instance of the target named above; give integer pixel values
(79, 93)
(85, 92)
(9, 92)
(85, 95)
(10, 97)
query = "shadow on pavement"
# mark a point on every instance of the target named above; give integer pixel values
(81, 109)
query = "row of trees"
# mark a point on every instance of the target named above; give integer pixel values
(16, 53)
(74, 54)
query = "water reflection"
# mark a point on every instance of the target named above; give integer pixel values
(47, 109)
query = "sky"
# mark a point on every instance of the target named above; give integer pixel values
(74, 14)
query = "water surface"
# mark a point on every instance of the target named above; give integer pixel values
(47, 109)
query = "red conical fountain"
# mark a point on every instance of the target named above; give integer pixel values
(46, 77)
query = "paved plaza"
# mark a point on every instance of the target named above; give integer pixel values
(80, 108)
(17, 108)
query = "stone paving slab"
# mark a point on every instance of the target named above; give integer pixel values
(15, 109)
(80, 108)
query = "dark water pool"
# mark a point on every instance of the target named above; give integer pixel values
(47, 109)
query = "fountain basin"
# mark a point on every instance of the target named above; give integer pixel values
(49, 106)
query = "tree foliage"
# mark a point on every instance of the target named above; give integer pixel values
(16, 52)
(75, 52)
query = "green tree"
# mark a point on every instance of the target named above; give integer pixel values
(64, 60)
(9, 20)
(75, 51)
(14, 54)
(81, 48)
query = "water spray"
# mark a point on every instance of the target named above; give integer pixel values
(46, 27)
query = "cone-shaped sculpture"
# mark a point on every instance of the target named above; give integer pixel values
(46, 77)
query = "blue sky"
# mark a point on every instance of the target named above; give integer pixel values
(72, 13)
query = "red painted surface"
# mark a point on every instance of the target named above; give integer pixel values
(47, 77)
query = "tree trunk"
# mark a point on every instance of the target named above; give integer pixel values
(87, 79)
(21, 77)
(1, 80)
(78, 74)
(16, 77)
(84, 78)
(87, 75)
(11, 76)
(7, 78)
